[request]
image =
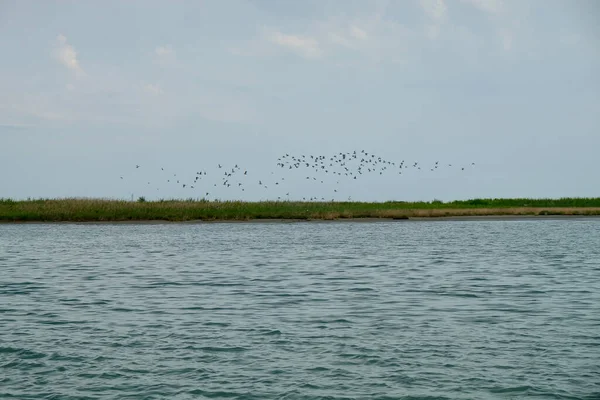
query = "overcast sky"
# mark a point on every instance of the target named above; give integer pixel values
(89, 90)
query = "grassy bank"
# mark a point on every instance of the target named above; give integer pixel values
(79, 210)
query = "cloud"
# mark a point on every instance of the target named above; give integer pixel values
(435, 9)
(340, 39)
(365, 36)
(163, 51)
(358, 33)
(363, 39)
(67, 56)
(153, 89)
(437, 12)
(305, 46)
(488, 6)
(350, 37)
(165, 55)
(432, 31)
(506, 24)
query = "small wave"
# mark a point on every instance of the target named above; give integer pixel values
(224, 349)
(514, 389)
(274, 332)
(23, 353)
(360, 289)
(332, 321)
(220, 324)
(317, 369)
(218, 394)
(465, 295)
(18, 288)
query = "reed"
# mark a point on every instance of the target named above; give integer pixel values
(90, 210)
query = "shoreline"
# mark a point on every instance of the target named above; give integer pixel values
(457, 218)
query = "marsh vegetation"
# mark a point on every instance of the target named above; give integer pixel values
(84, 209)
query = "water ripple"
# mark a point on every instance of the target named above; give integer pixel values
(425, 310)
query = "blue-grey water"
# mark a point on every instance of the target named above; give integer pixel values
(341, 310)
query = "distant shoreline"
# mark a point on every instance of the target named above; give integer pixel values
(313, 221)
(202, 211)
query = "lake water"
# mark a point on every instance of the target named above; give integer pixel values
(340, 310)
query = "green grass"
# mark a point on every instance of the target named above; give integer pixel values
(80, 210)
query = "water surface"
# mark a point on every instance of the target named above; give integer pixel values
(390, 310)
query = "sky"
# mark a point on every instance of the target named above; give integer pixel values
(90, 90)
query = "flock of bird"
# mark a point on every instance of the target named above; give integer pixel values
(327, 171)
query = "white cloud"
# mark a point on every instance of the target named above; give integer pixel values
(488, 6)
(341, 30)
(506, 24)
(305, 46)
(67, 56)
(358, 33)
(342, 38)
(437, 12)
(165, 55)
(153, 89)
(370, 37)
(435, 9)
(351, 37)
(163, 51)
(338, 38)
(366, 38)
